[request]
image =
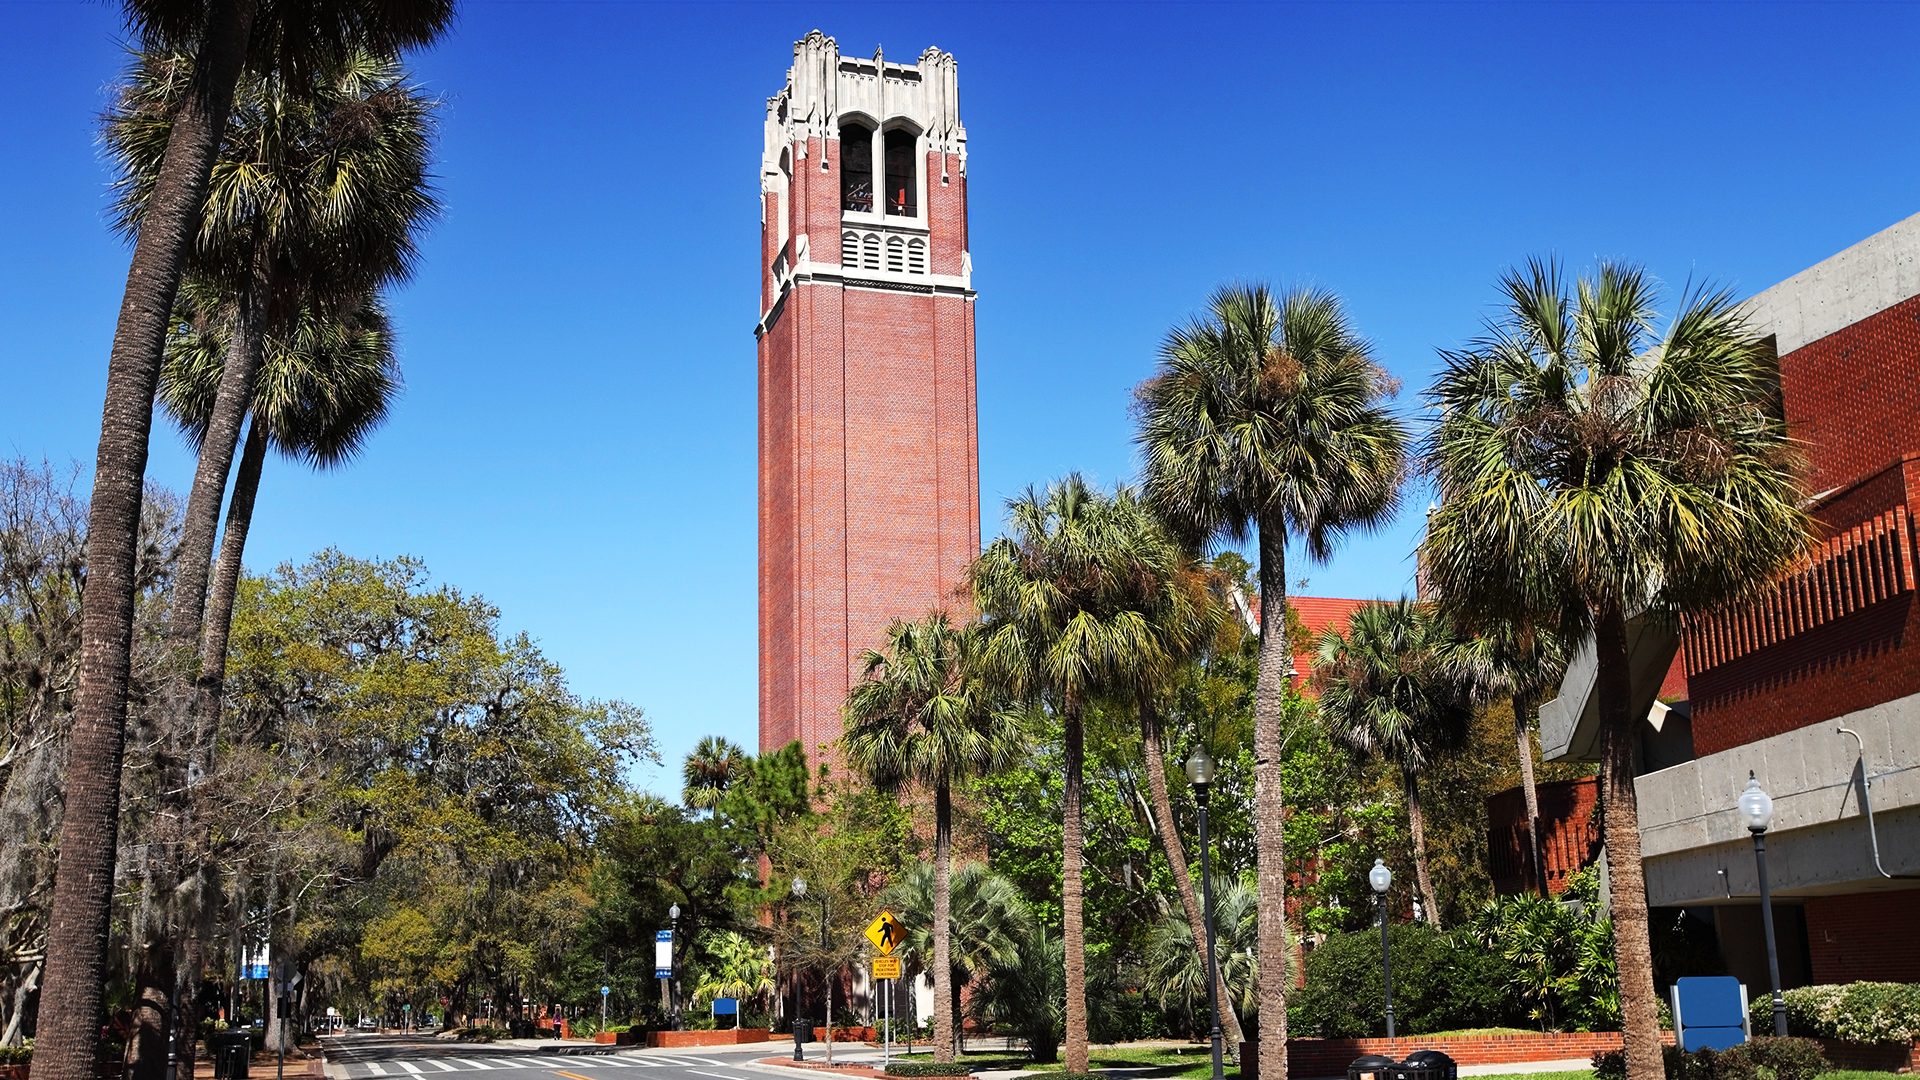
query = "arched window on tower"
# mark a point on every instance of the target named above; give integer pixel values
(902, 196)
(856, 168)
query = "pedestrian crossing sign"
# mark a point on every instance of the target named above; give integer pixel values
(886, 967)
(886, 933)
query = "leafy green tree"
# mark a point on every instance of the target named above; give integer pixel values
(709, 771)
(1386, 691)
(1579, 452)
(1441, 982)
(1066, 600)
(922, 713)
(1265, 419)
(736, 967)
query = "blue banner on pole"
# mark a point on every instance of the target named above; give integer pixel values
(726, 1006)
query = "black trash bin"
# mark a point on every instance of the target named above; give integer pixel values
(1372, 1067)
(802, 1029)
(232, 1050)
(1426, 1065)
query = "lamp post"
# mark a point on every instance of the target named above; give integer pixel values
(673, 979)
(1381, 879)
(1756, 809)
(1200, 775)
(799, 891)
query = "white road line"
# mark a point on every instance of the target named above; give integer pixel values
(441, 1065)
(507, 1063)
(722, 1076)
(376, 1069)
(472, 1062)
(707, 1061)
(410, 1067)
(560, 1062)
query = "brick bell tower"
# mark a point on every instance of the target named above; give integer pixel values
(869, 449)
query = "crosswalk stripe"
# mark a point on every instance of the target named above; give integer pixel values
(616, 1062)
(472, 1062)
(507, 1063)
(409, 1066)
(376, 1069)
(441, 1065)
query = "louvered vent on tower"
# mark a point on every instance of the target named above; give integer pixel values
(896, 255)
(917, 257)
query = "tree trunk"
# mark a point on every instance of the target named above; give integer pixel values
(210, 695)
(1155, 753)
(943, 1003)
(1417, 825)
(1522, 715)
(89, 830)
(1269, 707)
(1620, 829)
(152, 1008)
(1073, 928)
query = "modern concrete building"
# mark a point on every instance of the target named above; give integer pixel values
(869, 462)
(1815, 690)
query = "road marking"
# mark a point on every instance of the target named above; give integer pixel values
(507, 1063)
(376, 1069)
(441, 1065)
(708, 1061)
(722, 1076)
(472, 1062)
(572, 1076)
(410, 1067)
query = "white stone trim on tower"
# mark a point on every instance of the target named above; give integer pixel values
(822, 85)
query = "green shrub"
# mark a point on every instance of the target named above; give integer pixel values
(1440, 983)
(929, 1068)
(17, 1055)
(1758, 1059)
(1865, 1012)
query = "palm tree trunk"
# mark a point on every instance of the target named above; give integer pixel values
(1620, 828)
(1417, 825)
(1155, 753)
(1269, 706)
(1073, 929)
(70, 998)
(1522, 714)
(152, 1010)
(943, 1003)
(212, 685)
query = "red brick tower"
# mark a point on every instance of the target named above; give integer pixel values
(869, 463)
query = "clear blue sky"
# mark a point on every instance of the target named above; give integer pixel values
(576, 442)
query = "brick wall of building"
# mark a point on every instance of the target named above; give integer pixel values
(1864, 937)
(1569, 834)
(869, 490)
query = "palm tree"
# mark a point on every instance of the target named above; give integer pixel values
(1386, 691)
(736, 967)
(709, 771)
(1522, 662)
(1266, 420)
(1027, 993)
(1067, 600)
(1176, 965)
(1579, 450)
(922, 714)
(223, 36)
(987, 922)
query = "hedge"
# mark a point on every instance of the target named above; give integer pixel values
(1864, 1012)
(1757, 1059)
(929, 1068)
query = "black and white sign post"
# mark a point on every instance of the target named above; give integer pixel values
(663, 967)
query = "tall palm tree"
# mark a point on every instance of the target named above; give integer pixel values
(1521, 661)
(224, 36)
(1067, 599)
(1578, 448)
(987, 922)
(1266, 419)
(921, 713)
(1386, 691)
(715, 763)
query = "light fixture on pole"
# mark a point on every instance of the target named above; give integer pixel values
(1200, 775)
(1381, 879)
(799, 891)
(1756, 811)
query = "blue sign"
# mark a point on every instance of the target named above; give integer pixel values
(726, 1006)
(663, 935)
(663, 973)
(1710, 1012)
(253, 971)
(605, 990)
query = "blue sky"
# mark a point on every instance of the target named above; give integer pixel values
(576, 442)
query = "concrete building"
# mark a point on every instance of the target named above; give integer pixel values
(869, 463)
(1815, 689)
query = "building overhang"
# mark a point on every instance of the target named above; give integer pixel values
(1570, 723)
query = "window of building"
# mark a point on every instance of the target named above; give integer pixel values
(856, 168)
(902, 177)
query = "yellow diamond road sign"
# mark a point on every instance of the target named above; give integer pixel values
(885, 933)
(886, 967)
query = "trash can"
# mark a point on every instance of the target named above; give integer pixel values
(1426, 1065)
(232, 1050)
(1372, 1067)
(802, 1029)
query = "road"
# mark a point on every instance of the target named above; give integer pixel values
(365, 1057)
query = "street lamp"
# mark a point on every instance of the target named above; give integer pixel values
(1756, 810)
(673, 978)
(1381, 879)
(1200, 775)
(799, 892)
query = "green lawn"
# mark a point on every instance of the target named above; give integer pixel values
(1192, 1063)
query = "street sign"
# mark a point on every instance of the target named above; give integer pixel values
(726, 1006)
(886, 967)
(885, 933)
(663, 953)
(605, 990)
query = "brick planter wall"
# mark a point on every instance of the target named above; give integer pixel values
(727, 1037)
(1309, 1058)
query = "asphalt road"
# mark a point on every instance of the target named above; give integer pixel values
(363, 1057)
